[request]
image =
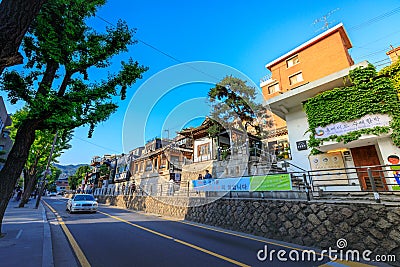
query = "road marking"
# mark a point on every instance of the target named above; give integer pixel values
(78, 252)
(19, 234)
(349, 263)
(178, 241)
(234, 234)
(336, 263)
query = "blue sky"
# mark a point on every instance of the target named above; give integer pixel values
(243, 35)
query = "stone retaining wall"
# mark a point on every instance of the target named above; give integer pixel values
(375, 227)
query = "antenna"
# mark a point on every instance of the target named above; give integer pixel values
(324, 20)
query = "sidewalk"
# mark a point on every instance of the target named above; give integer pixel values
(27, 241)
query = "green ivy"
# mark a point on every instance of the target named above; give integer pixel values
(370, 93)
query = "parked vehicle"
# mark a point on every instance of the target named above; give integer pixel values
(82, 202)
(52, 194)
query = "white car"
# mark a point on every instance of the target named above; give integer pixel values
(82, 202)
(52, 194)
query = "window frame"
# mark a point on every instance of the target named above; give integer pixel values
(295, 75)
(273, 85)
(203, 149)
(291, 60)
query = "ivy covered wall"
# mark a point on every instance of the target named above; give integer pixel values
(370, 93)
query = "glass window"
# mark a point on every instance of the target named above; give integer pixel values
(292, 61)
(163, 163)
(273, 88)
(84, 197)
(296, 78)
(149, 165)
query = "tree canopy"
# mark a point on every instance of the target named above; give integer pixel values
(60, 49)
(234, 104)
(75, 180)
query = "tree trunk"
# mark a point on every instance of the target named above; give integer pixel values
(30, 181)
(15, 163)
(15, 18)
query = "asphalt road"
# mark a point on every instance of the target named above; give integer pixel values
(118, 237)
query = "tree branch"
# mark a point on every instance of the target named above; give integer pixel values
(15, 18)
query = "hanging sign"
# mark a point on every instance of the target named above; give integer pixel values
(342, 128)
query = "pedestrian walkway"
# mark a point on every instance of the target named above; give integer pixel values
(27, 239)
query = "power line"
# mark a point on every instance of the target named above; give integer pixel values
(145, 43)
(382, 64)
(103, 147)
(162, 52)
(386, 59)
(376, 40)
(376, 52)
(375, 19)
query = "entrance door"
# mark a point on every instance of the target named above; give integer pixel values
(367, 156)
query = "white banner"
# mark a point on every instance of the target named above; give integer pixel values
(225, 184)
(342, 128)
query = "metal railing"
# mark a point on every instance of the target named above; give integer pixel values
(367, 182)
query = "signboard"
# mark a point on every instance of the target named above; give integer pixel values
(121, 176)
(276, 182)
(225, 184)
(342, 128)
(301, 145)
(322, 162)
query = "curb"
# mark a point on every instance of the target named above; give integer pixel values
(47, 258)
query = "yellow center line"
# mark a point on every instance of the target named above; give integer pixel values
(178, 241)
(77, 250)
(233, 234)
(138, 226)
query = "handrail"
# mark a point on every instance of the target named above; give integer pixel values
(287, 162)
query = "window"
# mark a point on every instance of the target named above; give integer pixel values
(203, 150)
(292, 61)
(155, 164)
(149, 166)
(296, 78)
(163, 163)
(273, 88)
(141, 166)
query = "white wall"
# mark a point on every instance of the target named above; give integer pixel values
(297, 125)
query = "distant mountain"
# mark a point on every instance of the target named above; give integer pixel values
(68, 170)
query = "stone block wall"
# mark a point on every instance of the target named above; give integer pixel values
(375, 227)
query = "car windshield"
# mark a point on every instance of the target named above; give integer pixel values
(83, 198)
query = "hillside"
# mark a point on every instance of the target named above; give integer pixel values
(68, 170)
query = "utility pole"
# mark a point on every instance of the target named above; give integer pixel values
(167, 133)
(46, 171)
(391, 46)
